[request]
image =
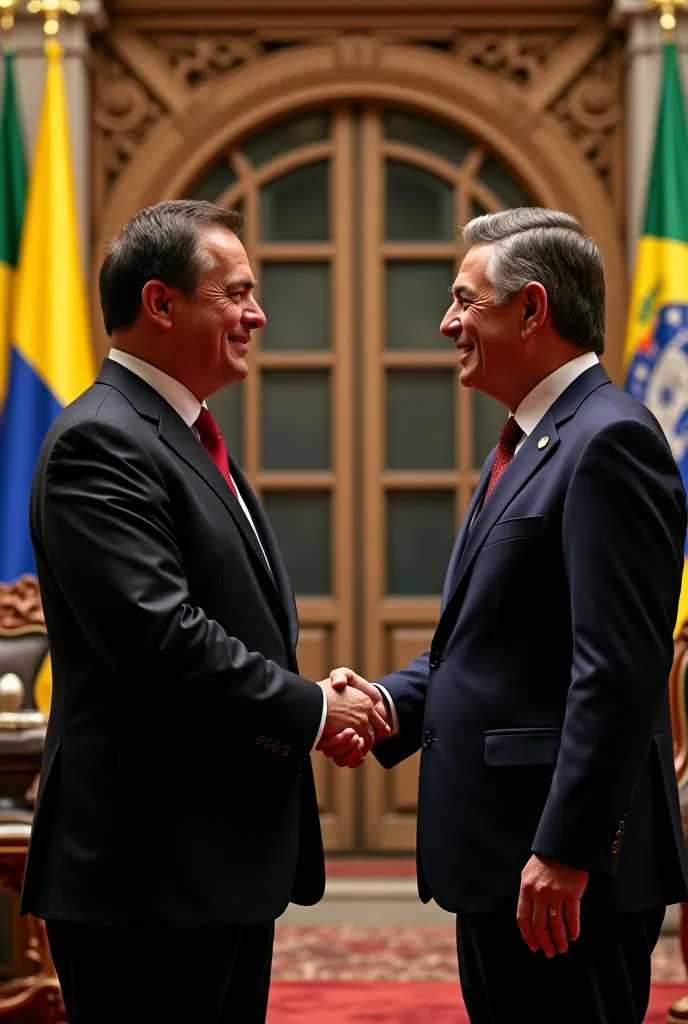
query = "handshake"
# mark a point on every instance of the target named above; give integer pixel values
(357, 718)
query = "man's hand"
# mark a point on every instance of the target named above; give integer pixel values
(354, 720)
(549, 904)
(347, 747)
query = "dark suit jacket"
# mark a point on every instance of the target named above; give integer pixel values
(542, 705)
(176, 786)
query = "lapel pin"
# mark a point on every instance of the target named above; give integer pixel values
(543, 442)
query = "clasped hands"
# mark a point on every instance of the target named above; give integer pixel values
(356, 718)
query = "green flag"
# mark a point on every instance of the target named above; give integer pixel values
(12, 200)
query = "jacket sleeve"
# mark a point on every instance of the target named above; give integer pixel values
(408, 689)
(624, 527)
(109, 541)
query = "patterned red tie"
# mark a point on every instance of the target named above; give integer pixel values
(506, 448)
(211, 438)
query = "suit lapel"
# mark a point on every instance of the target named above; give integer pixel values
(272, 550)
(525, 465)
(465, 530)
(181, 439)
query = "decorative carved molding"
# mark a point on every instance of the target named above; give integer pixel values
(124, 113)
(198, 57)
(591, 112)
(519, 57)
(20, 605)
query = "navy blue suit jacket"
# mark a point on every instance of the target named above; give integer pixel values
(541, 707)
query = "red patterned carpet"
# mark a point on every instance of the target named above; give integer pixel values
(358, 975)
(389, 1002)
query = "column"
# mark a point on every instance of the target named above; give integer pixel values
(75, 34)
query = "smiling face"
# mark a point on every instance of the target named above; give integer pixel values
(488, 337)
(211, 330)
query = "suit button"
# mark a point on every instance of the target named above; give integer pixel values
(619, 836)
(616, 846)
(268, 744)
(260, 740)
(286, 751)
(276, 746)
(429, 739)
(435, 659)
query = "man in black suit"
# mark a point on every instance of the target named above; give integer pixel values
(548, 815)
(176, 815)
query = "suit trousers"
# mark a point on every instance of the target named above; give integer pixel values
(603, 978)
(165, 975)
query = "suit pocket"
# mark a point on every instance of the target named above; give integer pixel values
(515, 529)
(513, 747)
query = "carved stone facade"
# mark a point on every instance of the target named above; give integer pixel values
(574, 76)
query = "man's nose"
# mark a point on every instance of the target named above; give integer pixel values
(451, 325)
(255, 318)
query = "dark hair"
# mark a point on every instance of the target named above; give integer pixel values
(159, 243)
(549, 247)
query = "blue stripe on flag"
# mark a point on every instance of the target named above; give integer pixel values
(28, 411)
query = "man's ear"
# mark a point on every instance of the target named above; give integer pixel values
(534, 307)
(157, 303)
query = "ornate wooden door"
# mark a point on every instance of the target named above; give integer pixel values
(352, 424)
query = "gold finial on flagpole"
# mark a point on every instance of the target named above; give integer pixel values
(51, 11)
(7, 18)
(667, 14)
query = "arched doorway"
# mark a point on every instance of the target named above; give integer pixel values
(354, 161)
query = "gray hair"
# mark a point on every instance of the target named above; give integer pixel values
(532, 244)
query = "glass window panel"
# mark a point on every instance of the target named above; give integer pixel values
(295, 206)
(420, 419)
(420, 206)
(214, 182)
(227, 406)
(291, 133)
(295, 419)
(301, 521)
(489, 416)
(502, 183)
(476, 209)
(420, 537)
(417, 298)
(296, 299)
(402, 126)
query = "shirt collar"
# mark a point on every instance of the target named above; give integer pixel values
(172, 390)
(544, 395)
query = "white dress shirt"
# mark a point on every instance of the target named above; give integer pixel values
(188, 407)
(529, 413)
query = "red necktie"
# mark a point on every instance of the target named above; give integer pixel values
(506, 448)
(211, 438)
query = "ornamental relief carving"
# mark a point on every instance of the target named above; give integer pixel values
(130, 96)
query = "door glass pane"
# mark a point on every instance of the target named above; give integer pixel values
(214, 182)
(286, 135)
(420, 419)
(295, 419)
(227, 406)
(417, 299)
(489, 416)
(419, 131)
(301, 521)
(420, 537)
(502, 183)
(295, 206)
(420, 206)
(296, 299)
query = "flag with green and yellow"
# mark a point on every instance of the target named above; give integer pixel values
(12, 201)
(656, 350)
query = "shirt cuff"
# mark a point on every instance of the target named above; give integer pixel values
(321, 730)
(394, 724)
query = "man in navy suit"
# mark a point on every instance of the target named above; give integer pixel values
(548, 817)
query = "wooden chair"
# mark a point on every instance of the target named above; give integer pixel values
(33, 996)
